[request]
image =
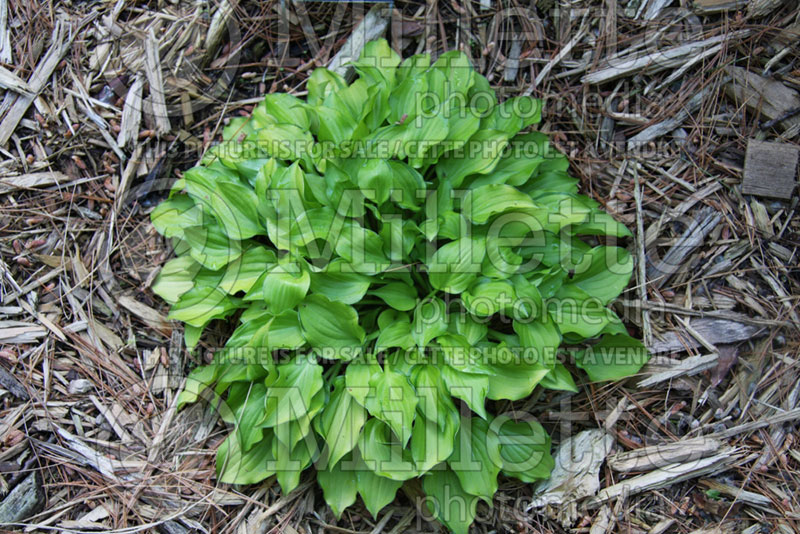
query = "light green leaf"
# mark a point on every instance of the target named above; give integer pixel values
(437, 422)
(198, 380)
(376, 491)
(289, 464)
(394, 402)
(289, 397)
(476, 459)
(614, 357)
(604, 272)
(235, 466)
(574, 311)
(174, 214)
(175, 278)
(339, 487)
(398, 295)
(344, 287)
(211, 247)
(455, 265)
(430, 321)
(242, 274)
(469, 387)
(560, 379)
(395, 335)
(331, 327)
(200, 305)
(448, 501)
(284, 289)
(482, 203)
(341, 421)
(383, 454)
(524, 448)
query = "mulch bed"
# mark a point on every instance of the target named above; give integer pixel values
(665, 109)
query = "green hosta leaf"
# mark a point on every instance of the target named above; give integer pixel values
(559, 378)
(481, 203)
(614, 357)
(235, 207)
(291, 432)
(176, 213)
(374, 177)
(448, 501)
(574, 311)
(422, 135)
(289, 397)
(455, 265)
(604, 273)
(455, 167)
(235, 466)
(376, 491)
(331, 327)
(513, 377)
(470, 387)
(394, 402)
(200, 305)
(395, 335)
(246, 402)
(321, 83)
(289, 464)
(430, 321)
(437, 422)
(398, 295)
(601, 223)
(383, 454)
(540, 338)
(486, 297)
(175, 278)
(245, 272)
(285, 141)
(341, 421)
(198, 380)
(344, 287)
(339, 487)
(476, 460)
(358, 375)
(282, 108)
(473, 329)
(284, 288)
(211, 247)
(524, 449)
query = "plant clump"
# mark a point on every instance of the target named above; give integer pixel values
(398, 253)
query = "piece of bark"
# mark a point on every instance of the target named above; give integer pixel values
(770, 169)
(24, 500)
(28, 181)
(686, 367)
(575, 475)
(716, 6)
(768, 97)
(660, 270)
(372, 26)
(716, 331)
(156, 82)
(62, 40)
(666, 476)
(9, 381)
(648, 458)
(131, 114)
(762, 8)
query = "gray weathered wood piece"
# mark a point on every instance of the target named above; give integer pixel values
(770, 169)
(24, 500)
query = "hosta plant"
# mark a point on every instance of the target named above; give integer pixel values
(398, 253)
